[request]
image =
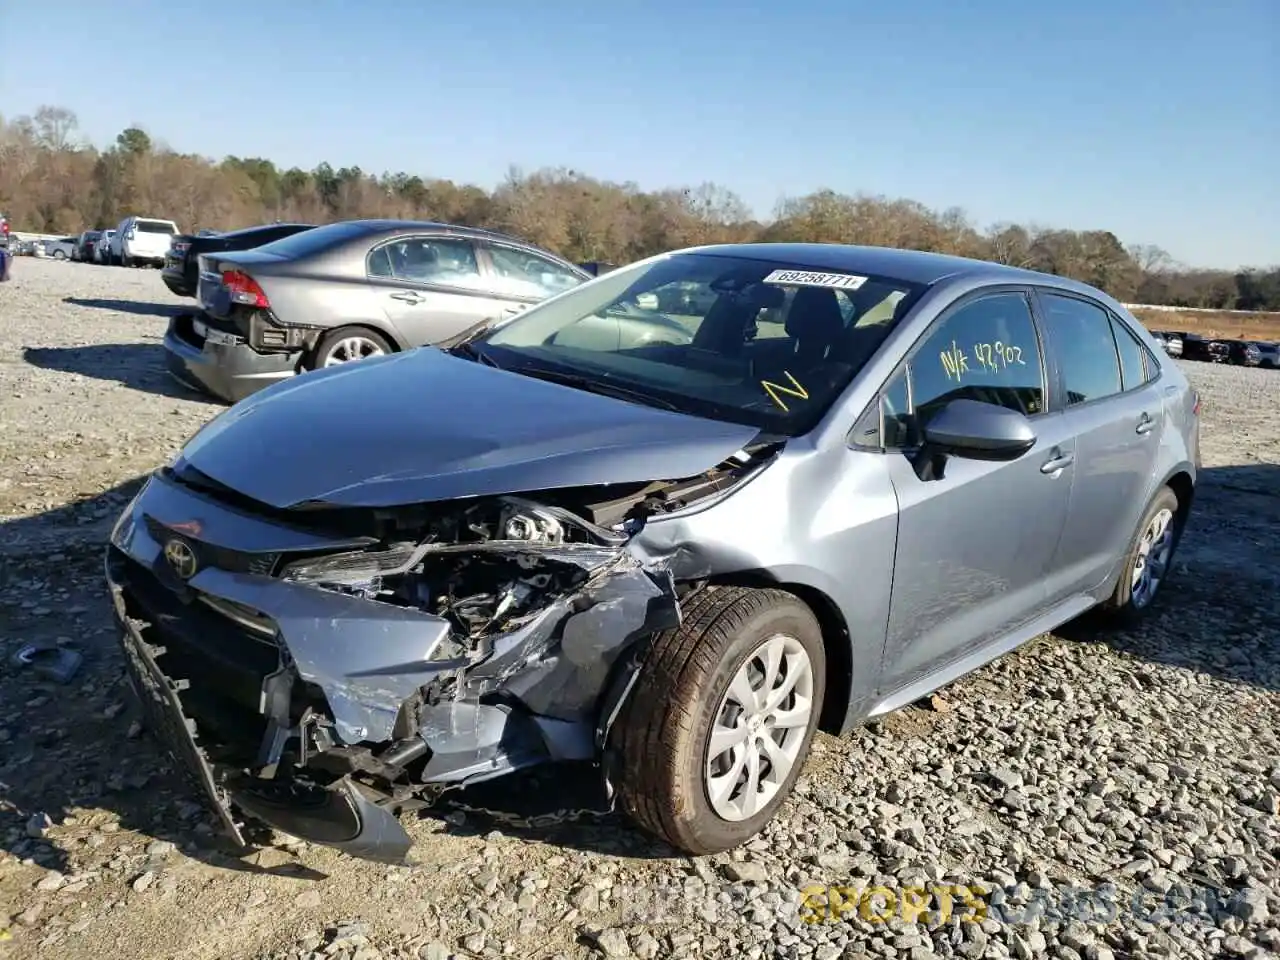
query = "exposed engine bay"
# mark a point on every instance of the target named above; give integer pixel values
(404, 650)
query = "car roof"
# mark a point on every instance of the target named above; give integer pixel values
(913, 266)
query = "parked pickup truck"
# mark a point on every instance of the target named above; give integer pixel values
(142, 240)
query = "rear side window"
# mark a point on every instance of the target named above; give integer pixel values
(1135, 366)
(1081, 337)
(437, 260)
(985, 350)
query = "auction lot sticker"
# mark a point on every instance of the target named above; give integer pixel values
(812, 278)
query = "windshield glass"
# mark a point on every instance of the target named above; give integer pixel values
(156, 226)
(752, 341)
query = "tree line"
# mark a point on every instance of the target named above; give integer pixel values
(52, 181)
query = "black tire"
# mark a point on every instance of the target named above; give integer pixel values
(59, 255)
(1121, 607)
(662, 734)
(331, 340)
(126, 260)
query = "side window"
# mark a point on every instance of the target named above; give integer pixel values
(526, 274)
(427, 260)
(1081, 336)
(986, 350)
(1134, 371)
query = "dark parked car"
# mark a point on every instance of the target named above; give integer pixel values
(1204, 349)
(1268, 354)
(674, 558)
(4, 231)
(349, 291)
(85, 245)
(182, 263)
(1244, 353)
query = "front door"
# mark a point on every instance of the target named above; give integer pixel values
(974, 545)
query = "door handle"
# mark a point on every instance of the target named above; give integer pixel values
(1057, 462)
(1145, 424)
(408, 296)
(512, 311)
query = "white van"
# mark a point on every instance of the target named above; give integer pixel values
(142, 240)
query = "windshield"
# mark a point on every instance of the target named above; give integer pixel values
(752, 341)
(156, 226)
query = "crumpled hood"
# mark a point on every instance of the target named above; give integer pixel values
(423, 425)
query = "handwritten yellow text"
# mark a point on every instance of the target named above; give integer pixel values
(998, 356)
(954, 362)
(776, 390)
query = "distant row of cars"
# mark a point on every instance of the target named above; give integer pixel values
(1193, 346)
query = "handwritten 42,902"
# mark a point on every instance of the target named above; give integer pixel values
(993, 356)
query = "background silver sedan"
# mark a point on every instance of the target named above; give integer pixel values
(351, 290)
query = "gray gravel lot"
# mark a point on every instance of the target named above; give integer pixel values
(1135, 772)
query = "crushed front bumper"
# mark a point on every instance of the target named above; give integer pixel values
(249, 680)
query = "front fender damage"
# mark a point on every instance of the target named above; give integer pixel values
(430, 648)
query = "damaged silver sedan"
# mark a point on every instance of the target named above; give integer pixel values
(676, 555)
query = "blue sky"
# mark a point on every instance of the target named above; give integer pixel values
(1156, 119)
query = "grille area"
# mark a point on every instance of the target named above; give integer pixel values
(208, 555)
(225, 664)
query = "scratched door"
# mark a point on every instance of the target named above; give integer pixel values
(975, 545)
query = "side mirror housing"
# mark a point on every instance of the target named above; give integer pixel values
(979, 431)
(975, 431)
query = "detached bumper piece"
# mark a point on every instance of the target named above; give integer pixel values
(165, 719)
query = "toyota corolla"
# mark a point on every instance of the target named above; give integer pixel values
(855, 476)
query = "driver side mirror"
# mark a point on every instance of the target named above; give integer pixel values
(975, 431)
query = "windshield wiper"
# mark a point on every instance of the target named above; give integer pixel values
(592, 385)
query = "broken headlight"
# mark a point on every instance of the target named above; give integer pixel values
(358, 572)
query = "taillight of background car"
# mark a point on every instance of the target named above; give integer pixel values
(244, 289)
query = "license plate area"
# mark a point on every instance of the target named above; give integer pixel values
(210, 335)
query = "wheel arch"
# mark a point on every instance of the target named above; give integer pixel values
(1184, 488)
(835, 640)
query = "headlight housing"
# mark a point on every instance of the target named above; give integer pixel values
(359, 572)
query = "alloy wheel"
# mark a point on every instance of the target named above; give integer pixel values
(349, 349)
(1152, 560)
(759, 728)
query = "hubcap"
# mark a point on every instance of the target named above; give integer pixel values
(759, 727)
(352, 348)
(1152, 562)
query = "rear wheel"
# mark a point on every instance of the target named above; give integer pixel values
(720, 721)
(1149, 561)
(59, 255)
(347, 345)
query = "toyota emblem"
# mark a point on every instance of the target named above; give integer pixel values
(181, 557)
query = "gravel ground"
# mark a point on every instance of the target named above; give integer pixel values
(1092, 788)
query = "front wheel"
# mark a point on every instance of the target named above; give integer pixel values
(348, 344)
(59, 255)
(719, 723)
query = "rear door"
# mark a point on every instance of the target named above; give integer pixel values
(975, 544)
(1112, 400)
(430, 286)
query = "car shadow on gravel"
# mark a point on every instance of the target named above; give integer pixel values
(140, 366)
(1216, 615)
(138, 307)
(72, 752)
